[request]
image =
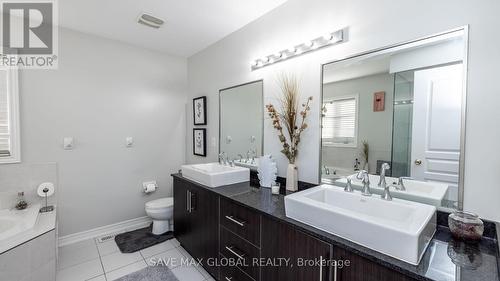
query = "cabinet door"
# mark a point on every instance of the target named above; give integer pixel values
(204, 226)
(182, 224)
(361, 269)
(306, 253)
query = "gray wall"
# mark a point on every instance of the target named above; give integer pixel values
(103, 92)
(372, 24)
(373, 127)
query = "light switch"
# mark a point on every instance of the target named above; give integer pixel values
(68, 143)
(129, 141)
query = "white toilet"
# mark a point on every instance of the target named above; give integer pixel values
(161, 211)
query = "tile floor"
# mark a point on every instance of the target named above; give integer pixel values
(94, 261)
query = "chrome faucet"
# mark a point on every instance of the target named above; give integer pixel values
(248, 156)
(348, 187)
(327, 170)
(254, 153)
(222, 159)
(241, 158)
(383, 168)
(401, 186)
(365, 179)
(386, 195)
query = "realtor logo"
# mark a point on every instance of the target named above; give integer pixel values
(29, 34)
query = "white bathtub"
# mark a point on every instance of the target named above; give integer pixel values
(14, 222)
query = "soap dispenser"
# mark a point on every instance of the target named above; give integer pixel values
(21, 203)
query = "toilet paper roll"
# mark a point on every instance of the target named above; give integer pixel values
(150, 187)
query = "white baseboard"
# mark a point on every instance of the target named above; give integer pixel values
(104, 230)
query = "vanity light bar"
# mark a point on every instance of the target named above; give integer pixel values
(313, 45)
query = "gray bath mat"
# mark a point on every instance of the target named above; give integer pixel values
(139, 239)
(150, 273)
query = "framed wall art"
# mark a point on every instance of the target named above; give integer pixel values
(199, 142)
(200, 110)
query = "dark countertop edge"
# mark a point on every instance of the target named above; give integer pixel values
(498, 244)
(350, 246)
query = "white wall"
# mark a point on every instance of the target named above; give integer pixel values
(103, 92)
(372, 24)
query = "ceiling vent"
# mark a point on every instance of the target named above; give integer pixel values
(150, 20)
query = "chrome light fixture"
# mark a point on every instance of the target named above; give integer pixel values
(297, 50)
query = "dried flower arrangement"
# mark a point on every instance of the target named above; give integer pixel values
(287, 117)
(365, 153)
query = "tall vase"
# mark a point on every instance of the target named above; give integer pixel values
(291, 178)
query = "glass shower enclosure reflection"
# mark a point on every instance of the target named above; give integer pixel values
(402, 123)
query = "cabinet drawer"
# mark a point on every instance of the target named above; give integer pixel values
(232, 273)
(240, 220)
(233, 247)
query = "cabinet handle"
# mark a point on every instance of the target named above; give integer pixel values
(187, 200)
(320, 268)
(240, 223)
(335, 272)
(230, 249)
(228, 278)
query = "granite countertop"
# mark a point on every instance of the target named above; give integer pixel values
(444, 259)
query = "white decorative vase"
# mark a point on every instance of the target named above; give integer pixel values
(291, 178)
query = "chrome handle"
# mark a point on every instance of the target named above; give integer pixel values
(335, 272)
(188, 201)
(418, 162)
(320, 268)
(230, 249)
(228, 278)
(240, 223)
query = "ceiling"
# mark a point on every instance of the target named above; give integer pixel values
(190, 25)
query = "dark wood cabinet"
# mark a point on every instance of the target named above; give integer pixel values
(209, 226)
(308, 255)
(196, 222)
(361, 269)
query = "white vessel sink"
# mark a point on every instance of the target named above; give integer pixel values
(215, 174)
(248, 164)
(417, 191)
(397, 228)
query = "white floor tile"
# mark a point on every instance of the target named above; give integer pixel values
(156, 249)
(171, 258)
(116, 260)
(81, 272)
(107, 247)
(184, 253)
(187, 273)
(77, 253)
(203, 272)
(120, 272)
(175, 242)
(98, 278)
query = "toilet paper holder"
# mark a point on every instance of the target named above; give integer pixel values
(149, 186)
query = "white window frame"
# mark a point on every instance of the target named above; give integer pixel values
(356, 123)
(15, 134)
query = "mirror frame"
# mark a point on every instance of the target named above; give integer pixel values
(418, 42)
(14, 113)
(262, 117)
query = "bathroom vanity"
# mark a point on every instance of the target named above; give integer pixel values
(239, 221)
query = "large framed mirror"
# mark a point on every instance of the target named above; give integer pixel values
(241, 124)
(398, 113)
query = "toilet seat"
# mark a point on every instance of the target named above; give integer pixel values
(160, 203)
